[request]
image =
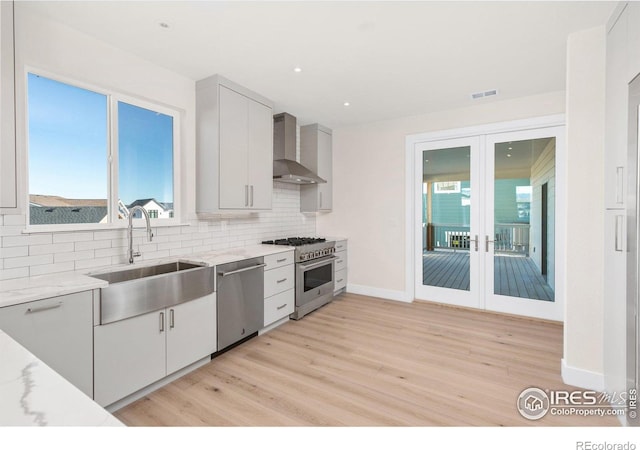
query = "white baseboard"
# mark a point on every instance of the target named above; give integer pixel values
(388, 294)
(582, 378)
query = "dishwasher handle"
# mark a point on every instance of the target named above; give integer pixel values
(245, 269)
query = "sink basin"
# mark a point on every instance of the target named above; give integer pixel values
(144, 272)
(140, 290)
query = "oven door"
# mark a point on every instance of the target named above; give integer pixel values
(314, 279)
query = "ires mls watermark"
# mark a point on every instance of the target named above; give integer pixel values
(535, 403)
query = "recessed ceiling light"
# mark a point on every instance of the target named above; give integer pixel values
(297, 69)
(346, 104)
(164, 25)
(508, 155)
(510, 148)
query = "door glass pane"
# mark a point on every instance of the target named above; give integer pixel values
(524, 193)
(446, 217)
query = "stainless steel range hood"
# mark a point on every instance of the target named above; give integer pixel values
(285, 167)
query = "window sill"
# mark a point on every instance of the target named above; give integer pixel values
(80, 228)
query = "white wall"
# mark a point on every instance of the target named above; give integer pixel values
(369, 185)
(583, 337)
(65, 52)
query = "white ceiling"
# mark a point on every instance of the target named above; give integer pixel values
(388, 59)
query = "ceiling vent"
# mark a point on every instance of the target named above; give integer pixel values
(489, 93)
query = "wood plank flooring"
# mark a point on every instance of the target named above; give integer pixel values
(515, 276)
(361, 361)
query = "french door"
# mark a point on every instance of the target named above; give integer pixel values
(487, 230)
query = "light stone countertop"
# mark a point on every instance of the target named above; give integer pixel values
(23, 290)
(33, 394)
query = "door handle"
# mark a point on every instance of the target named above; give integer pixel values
(161, 322)
(252, 195)
(172, 323)
(486, 243)
(475, 242)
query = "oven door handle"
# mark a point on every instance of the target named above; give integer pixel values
(306, 267)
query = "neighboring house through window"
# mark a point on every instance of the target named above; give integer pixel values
(79, 173)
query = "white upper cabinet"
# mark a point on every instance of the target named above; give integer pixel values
(316, 154)
(234, 147)
(8, 179)
(617, 98)
(633, 30)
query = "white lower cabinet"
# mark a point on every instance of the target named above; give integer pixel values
(340, 267)
(59, 331)
(134, 353)
(279, 287)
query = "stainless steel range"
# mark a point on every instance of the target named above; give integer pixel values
(314, 272)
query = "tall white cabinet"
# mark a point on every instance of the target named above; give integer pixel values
(623, 64)
(316, 153)
(234, 147)
(8, 168)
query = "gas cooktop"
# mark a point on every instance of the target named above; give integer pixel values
(296, 241)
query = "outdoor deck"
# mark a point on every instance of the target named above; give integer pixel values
(514, 275)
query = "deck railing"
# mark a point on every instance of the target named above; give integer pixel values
(509, 237)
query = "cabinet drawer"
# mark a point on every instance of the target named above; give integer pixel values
(341, 246)
(278, 306)
(278, 280)
(341, 279)
(341, 262)
(278, 260)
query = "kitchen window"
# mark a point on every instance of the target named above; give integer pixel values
(95, 154)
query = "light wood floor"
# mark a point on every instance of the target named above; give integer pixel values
(361, 361)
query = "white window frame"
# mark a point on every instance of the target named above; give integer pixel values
(111, 159)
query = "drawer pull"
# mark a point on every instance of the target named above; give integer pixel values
(281, 260)
(44, 308)
(340, 280)
(161, 322)
(280, 307)
(281, 281)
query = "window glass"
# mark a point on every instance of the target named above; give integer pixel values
(145, 159)
(67, 132)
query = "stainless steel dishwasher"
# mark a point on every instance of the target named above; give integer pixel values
(240, 287)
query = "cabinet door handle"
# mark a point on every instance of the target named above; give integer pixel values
(281, 306)
(161, 322)
(246, 195)
(171, 319)
(619, 184)
(320, 200)
(618, 243)
(340, 280)
(281, 281)
(44, 308)
(281, 260)
(252, 195)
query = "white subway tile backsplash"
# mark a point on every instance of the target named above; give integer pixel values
(13, 252)
(26, 239)
(93, 263)
(78, 236)
(7, 274)
(73, 256)
(51, 268)
(26, 261)
(50, 248)
(92, 245)
(86, 251)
